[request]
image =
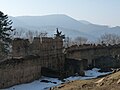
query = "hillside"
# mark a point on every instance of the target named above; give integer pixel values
(110, 82)
(70, 26)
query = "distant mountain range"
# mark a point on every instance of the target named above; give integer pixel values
(68, 25)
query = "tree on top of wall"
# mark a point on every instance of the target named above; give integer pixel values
(5, 32)
(59, 34)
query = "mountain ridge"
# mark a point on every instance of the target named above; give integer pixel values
(67, 23)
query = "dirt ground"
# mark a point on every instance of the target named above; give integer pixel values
(110, 82)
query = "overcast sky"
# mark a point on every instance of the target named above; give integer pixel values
(95, 11)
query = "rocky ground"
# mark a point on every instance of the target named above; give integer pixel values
(110, 82)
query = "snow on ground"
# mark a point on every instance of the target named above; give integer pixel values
(89, 74)
(94, 73)
(37, 85)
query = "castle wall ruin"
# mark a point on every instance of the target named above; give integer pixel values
(93, 52)
(17, 71)
(30, 60)
(43, 56)
(27, 60)
(49, 50)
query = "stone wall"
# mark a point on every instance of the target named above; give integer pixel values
(29, 58)
(43, 46)
(17, 71)
(49, 50)
(20, 47)
(42, 56)
(106, 63)
(2, 53)
(92, 52)
(75, 66)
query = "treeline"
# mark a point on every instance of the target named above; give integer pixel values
(29, 34)
(107, 39)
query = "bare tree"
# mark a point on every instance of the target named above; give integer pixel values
(81, 40)
(43, 34)
(19, 34)
(109, 39)
(68, 42)
(36, 34)
(30, 35)
(40, 34)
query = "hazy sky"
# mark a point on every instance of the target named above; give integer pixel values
(95, 11)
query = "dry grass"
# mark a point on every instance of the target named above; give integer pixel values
(110, 82)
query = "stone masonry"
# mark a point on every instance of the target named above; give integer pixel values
(94, 53)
